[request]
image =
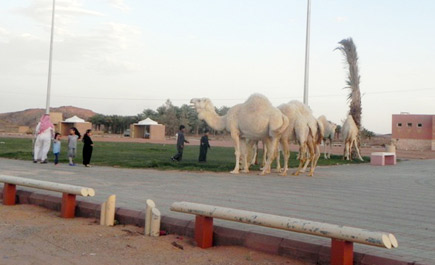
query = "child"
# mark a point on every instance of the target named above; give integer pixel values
(88, 146)
(73, 136)
(56, 148)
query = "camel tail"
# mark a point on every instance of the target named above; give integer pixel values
(285, 123)
(320, 133)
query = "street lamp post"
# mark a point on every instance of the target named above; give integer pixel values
(307, 52)
(47, 107)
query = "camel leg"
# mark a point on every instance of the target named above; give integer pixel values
(357, 151)
(325, 155)
(236, 139)
(264, 158)
(350, 150)
(306, 163)
(286, 152)
(255, 153)
(316, 156)
(347, 150)
(311, 150)
(270, 155)
(302, 158)
(330, 148)
(266, 145)
(244, 156)
(278, 158)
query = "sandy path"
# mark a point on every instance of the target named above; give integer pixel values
(33, 235)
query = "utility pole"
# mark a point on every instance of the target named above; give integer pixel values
(47, 107)
(307, 52)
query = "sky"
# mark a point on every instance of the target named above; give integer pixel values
(121, 57)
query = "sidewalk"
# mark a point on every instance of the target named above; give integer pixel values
(397, 199)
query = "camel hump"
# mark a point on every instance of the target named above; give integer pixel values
(259, 101)
(323, 120)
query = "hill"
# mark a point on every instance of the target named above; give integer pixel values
(30, 117)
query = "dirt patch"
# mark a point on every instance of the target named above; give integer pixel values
(33, 235)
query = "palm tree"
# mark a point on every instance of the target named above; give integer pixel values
(348, 48)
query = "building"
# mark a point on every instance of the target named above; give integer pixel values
(148, 129)
(74, 121)
(414, 131)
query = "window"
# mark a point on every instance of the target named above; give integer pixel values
(399, 124)
(420, 125)
(409, 124)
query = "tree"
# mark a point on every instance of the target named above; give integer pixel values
(348, 49)
(367, 134)
(149, 113)
(168, 117)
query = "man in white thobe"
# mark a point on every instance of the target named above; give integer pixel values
(44, 133)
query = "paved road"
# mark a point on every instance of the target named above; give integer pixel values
(398, 199)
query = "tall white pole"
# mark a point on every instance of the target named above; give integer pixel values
(47, 107)
(307, 52)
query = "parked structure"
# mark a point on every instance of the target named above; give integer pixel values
(74, 121)
(414, 131)
(148, 129)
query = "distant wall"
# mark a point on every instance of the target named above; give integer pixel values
(157, 132)
(415, 144)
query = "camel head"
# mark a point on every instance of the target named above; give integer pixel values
(333, 126)
(207, 113)
(202, 104)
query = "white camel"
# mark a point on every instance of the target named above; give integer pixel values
(328, 135)
(306, 131)
(255, 119)
(350, 138)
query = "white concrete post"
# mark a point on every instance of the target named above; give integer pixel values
(107, 216)
(148, 216)
(155, 222)
(103, 214)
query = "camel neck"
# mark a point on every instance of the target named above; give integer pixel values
(214, 120)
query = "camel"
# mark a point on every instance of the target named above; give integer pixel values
(307, 132)
(255, 119)
(392, 146)
(350, 137)
(328, 136)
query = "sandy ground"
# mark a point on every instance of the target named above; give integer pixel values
(34, 235)
(372, 146)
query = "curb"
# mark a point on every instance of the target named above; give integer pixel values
(222, 236)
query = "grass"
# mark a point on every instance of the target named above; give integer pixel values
(146, 155)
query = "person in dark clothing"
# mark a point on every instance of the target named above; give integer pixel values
(203, 147)
(88, 147)
(180, 144)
